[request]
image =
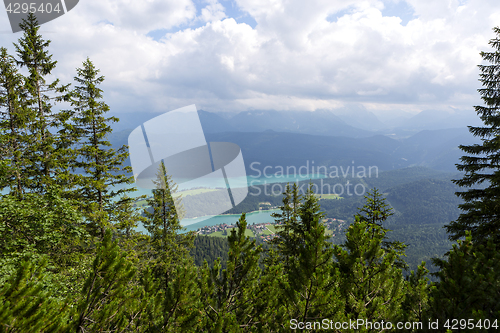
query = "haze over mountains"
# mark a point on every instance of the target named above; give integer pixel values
(351, 123)
(429, 139)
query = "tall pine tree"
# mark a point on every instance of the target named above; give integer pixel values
(468, 286)
(289, 223)
(308, 282)
(371, 284)
(101, 166)
(14, 119)
(230, 296)
(375, 212)
(48, 159)
(482, 163)
(168, 255)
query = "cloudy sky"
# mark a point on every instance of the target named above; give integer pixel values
(235, 55)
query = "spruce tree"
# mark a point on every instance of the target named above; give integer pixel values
(101, 166)
(48, 160)
(288, 226)
(371, 284)
(375, 212)
(309, 279)
(14, 119)
(229, 297)
(163, 223)
(469, 285)
(481, 206)
(167, 253)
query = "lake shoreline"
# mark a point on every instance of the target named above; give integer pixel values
(248, 213)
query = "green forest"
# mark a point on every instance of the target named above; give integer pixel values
(71, 259)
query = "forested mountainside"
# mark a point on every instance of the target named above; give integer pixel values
(423, 200)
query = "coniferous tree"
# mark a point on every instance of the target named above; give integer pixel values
(375, 212)
(289, 224)
(371, 267)
(126, 219)
(416, 290)
(26, 307)
(168, 255)
(108, 295)
(47, 156)
(38, 225)
(14, 118)
(481, 207)
(230, 295)
(309, 279)
(371, 284)
(313, 271)
(101, 165)
(469, 286)
(163, 223)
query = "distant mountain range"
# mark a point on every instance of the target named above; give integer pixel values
(316, 123)
(357, 124)
(436, 149)
(293, 138)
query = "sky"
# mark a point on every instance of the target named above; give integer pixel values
(388, 57)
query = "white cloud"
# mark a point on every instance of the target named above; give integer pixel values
(293, 59)
(214, 11)
(140, 16)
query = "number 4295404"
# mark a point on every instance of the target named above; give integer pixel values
(454, 324)
(18, 8)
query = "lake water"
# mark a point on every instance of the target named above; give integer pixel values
(255, 217)
(237, 182)
(199, 222)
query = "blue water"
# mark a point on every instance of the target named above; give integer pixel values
(237, 182)
(199, 222)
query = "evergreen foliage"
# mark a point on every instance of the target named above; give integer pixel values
(168, 255)
(47, 154)
(208, 248)
(288, 233)
(14, 117)
(230, 294)
(37, 225)
(107, 294)
(163, 225)
(375, 212)
(301, 263)
(371, 283)
(469, 283)
(481, 208)
(26, 307)
(416, 291)
(101, 165)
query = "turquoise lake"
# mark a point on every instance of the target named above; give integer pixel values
(199, 222)
(239, 182)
